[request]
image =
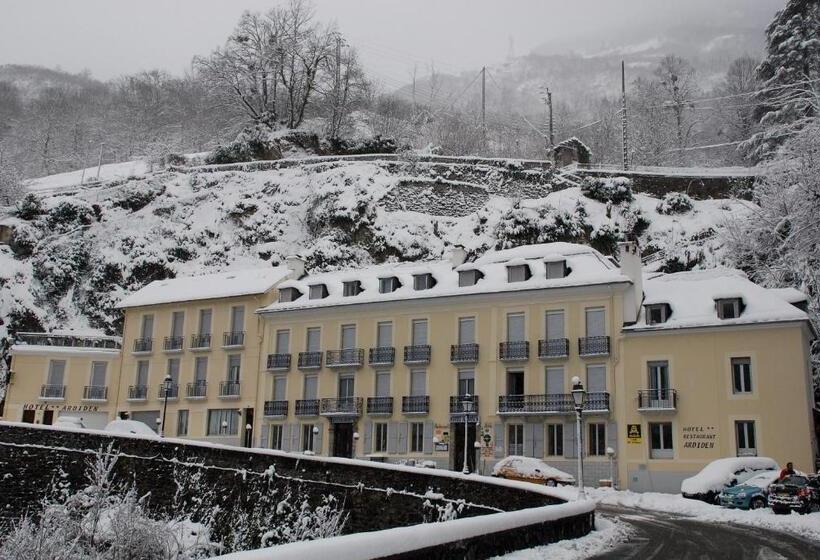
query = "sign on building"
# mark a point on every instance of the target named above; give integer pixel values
(633, 433)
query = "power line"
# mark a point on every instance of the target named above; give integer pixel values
(755, 92)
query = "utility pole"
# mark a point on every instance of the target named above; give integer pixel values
(484, 102)
(337, 88)
(99, 162)
(549, 139)
(623, 117)
(415, 110)
(552, 129)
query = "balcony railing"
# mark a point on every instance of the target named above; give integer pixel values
(173, 391)
(593, 346)
(382, 356)
(49, 339)
(95, 393)
(137, 392)
(143, 345)
(417, 354)
(416, 404)
(276, 408)
(553, 348)
(278, 362)
(658, 399)
(550, 404)
(307, 407)
(200, 341)
(347, 357)
(342, 406)
(464, 404)
(464, 353)
(514, 351)
(229, 389)
(56, 392)
(197, 390)
(310, 360)
(380, 406)
(233, 338)
(172, 343)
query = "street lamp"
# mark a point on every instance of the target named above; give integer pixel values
(248, 435)
(610, 453)
(467, 408)
(167, 385)
(224, 428)
(356, 443)
(579, 396)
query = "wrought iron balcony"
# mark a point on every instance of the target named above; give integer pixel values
(200, 341)
(66, 340)
(172, 343)
(137, 392)
(310, 360)
(347, 357)
(593, 346)
(514, 351)
(229, 389)
(342, 406)
(276, 408)
(658, 399)
(173, 391)
(382, 356)
(143, 345)
(464, 353)
(278, 362)
(307, 407)
(55, 392)
(380, 406)
(417, 354)
(550, 404)
(197, 390)
(415, 404)
(464, 404)
(233, 338)
(553, 348)
(95, 393)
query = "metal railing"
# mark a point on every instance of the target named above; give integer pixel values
(52, 392)
(66, 340)
(276, 408)
(380, 405)
(550, 404)
(658, 399)
(310, 360)
(553, 348)
(200, 341)
(459, 404)
(347, 357)
(593, 346)
(382, 355)
(415, 404)
(514, 351)
(233, 338)
(95, 393)
(229, 388)
(278, 362)
(172, 343)
(197, 390)
(137, 392)
(419, 354)
(173, 391)
(463, 353)
(341, 406)
(143, 344)
(307, 407)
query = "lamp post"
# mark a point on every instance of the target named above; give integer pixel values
(167, 385)
(487, 439)
(355, 443)
(579, 396)
(467, 409)
(248, 435)
(224, 428)
(610, 453)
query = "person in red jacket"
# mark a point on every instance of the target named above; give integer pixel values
(787, 471)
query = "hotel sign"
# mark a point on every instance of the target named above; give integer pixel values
(633, 433)
(699, 437)
(62, 407)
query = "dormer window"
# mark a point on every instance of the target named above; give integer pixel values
(388, 285)
(352, 288)
(518, 273)
(318, 291)
(289, 294)
(469, 277)
(657, 313)
(556, 269)
(729, 308)
(423, 281)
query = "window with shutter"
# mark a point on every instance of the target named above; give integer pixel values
(556, 269)
(419, 332)
(466, 330)
(56, 372)
(515, 327)
(383, 383)
(311, 387)
(418, 382)
(518, 273)
(314, 339)
(555, 380)
(205, 318)
(554, 324)
(351, 288)
(466, 382)
(200, 369)
(384, 334)
(234, 362)
(595, 322)
(283, 341)
(348, 337)
(596, 378)
(98, 370)
(177, 323)
(142, 373)
(280, 384)
(147, 326)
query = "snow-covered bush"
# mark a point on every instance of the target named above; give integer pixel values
(58, 271)
(607, 189)
(374, 145)
(137, 195)
(675, 203)
(23, 240)
(29, 208)
(636, 222)
(605, 238)
(301, 522)
(253, 143)
(70, 214)
(526, 225)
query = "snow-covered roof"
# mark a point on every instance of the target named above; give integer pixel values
(209, 286)
(587, 268)
(691, 297)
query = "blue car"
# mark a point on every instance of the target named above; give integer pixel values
(751, 494)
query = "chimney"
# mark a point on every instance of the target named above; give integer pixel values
(296, 264)
(457, 255)
(629, 258)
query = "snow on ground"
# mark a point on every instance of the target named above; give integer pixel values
(108, 172)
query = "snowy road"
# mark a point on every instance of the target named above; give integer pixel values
(666, 536)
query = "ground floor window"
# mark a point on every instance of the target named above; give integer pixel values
(515, 439)
(307, 437)
(660, 441)
(597, 439)
(746, 441)
(223, 422)
(416, 437)
(380, 437)
(555, 439)
(276, 436)
(182, 423)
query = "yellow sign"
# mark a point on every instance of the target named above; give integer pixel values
(633, 433)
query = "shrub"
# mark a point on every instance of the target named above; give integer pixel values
(605, 238)
(70, 214)
(374, 145)
(30, 207)
(527, 226)
(23, 240)
(253, 143)
(607, 189)
(675, 203)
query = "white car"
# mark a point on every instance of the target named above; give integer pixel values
(724, 473)
(530, 469)
(130, 427)
(69, 422)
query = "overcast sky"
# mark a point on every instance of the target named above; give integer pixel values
(115, 37)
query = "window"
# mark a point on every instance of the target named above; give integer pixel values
(289, 294)
(746, 441)
(518, 273)
(660, 441)
(466, 382)
(205, 316)
(223, 422)
(419, 327)
(351, 288)
(384, 334)
(98, 374)
(283, 341)
(380, 437)
(177, 323)
(234, 363)
(596, 378)
(555, 439)
(182, 423)
(555, 380)
(416, 437)
(657, 313)
(317, 291)
(515, 439)
(346, 385)
(515, 327)
(382, 383)
(200, 370)
(466, 330)
(238, 318)
(469, 277)
(280, 385)
(314, 339)
(556, 269)
(658, 383)
(597, 439)
(729, 308)
(595, 322)
(311, 387)
(554, 324)
(515, 382)
(142, 373)
(348, 337)
(173, 370)
(423, 281)
(56, 372)
(307, 437)
(147, 326)
(276, 436)
(741, 375)
(418, 382)
(388, 285)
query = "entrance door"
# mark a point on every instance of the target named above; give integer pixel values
(343, 440)
(28, 416)
(48, 417)
(457, 429)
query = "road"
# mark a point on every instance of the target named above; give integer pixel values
(661, 536)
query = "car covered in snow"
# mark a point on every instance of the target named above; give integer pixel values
(720, 474)
(74, 422)
(796, 492)
(752, 494)
(130, 427)
(530, 469)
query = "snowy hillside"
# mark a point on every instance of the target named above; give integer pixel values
(76, 255)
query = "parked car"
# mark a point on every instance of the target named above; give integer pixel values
(130, 427)
(529, 469)
(724, 473)
(752, 494)
(795, 493)
(73, 422)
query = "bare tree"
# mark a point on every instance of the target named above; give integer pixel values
(676, 78)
